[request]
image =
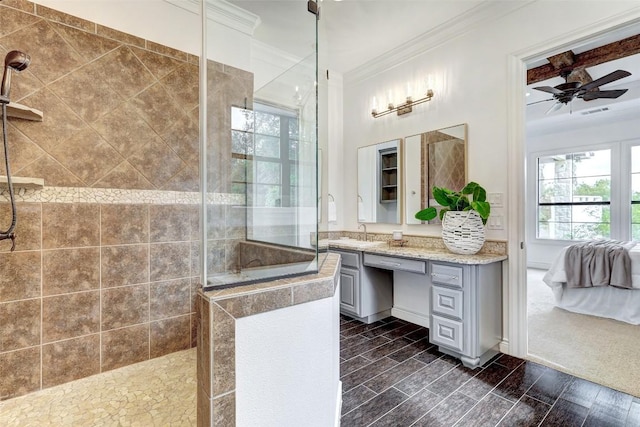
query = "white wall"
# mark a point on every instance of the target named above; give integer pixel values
(470, 76)
(577, 133)
(287, 375)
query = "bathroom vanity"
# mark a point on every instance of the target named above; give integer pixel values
(458, 297)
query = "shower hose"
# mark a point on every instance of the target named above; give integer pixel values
(9, 233)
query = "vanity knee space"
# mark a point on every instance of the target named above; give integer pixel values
(460, 303)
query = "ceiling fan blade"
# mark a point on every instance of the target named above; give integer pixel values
(549, 89)
(555, 107)
(538, 102)
(603, 94)
(611, 77)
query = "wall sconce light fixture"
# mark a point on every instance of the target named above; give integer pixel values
(404, 108)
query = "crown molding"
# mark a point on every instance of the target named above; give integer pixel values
(455, 27)
(224, 13)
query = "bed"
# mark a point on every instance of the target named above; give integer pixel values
(603, 301)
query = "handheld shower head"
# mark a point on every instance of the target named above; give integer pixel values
(15, 60)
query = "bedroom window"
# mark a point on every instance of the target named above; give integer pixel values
(635, 192)
(574, 196)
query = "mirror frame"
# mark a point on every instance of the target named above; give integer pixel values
(409, 212)
(399, 181)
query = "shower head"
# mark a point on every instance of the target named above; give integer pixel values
(15, 60)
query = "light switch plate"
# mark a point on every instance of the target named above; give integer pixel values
(495, 222)
(495, 199)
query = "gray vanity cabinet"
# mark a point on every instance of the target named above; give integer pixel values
(466, 310)
(366, 293)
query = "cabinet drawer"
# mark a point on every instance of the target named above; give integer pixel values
(393, 263)
(447, 302)
(349, 259)
(446, 332)
(446, 274)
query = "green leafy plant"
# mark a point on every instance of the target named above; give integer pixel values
(458, 201)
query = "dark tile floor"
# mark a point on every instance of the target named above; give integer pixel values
(392, 376)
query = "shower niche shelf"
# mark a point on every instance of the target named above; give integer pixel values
(20, 111)
(22, 182)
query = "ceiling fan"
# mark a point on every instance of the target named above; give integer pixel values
(578, 83)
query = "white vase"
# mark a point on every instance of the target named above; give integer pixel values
(463, 232)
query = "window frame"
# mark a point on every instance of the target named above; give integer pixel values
(620, 201)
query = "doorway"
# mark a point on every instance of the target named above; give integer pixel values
(527, 295)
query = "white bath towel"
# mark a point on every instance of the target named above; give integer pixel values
(333, 212)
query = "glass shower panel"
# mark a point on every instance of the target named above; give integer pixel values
(261, 147)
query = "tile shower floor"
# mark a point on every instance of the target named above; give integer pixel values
(391, 376)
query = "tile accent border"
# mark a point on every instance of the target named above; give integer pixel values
(217, 314)
(118, 196)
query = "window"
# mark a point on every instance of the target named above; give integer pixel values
(269, 161)
(574, 196)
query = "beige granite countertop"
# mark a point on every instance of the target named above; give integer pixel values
(434, 254)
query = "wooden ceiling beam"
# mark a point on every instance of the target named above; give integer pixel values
(610, 52)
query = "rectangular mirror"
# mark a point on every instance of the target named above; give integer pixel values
(379, 183)
(435, 158)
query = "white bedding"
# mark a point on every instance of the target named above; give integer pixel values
(606, 301)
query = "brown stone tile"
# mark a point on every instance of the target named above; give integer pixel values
(194, 330)
(70, 315)
(20, 278)
(184, 138)
(156, 162)
(170, 335)
(170, 261)
(64, 18)
(223, 336)
(119, 35)
(248, 305)
(89, 45)
(19, 372)
(204, 349)
(169, 299)
(22, 150)
(52, 171)
(124, 72)
(312, 291)
(122, 224)
(124, 265)
(125, 306)
(204, 403)
(125, 130)
(124, 176)
(23, 5)
(55, 58)
(58, 124)
(93, 104)
(183, 85)
(20, 322)
(70, 270)
(87, 156)
(224, 411)
(125, 346)
(170, 223)
(166, 50)
(217, 259)
(157, 108)
(12, 20)
(196, 285)
(159, 65)
(67, 225)
(65, 361)
(187, 179)
(195, 259)
(29, 216)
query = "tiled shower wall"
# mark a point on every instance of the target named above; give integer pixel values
(104, 273)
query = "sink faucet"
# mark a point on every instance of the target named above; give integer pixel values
(365, 230)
